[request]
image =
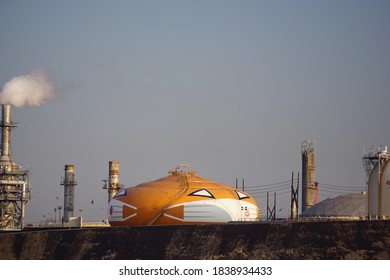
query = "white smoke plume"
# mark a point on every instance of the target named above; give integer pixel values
(32, 89)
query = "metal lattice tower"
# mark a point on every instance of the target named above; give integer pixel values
(294, 197)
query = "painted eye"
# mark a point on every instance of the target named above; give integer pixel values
(241, 195)
(203, 193)
(122, 193)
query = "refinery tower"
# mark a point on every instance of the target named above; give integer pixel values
(14, 180)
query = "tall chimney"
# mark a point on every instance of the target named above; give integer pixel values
(113, 179)
(68, 182)
(6, 127)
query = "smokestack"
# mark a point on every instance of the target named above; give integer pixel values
(113, 179)
(6, 127)
(68, 182)
(32, 89)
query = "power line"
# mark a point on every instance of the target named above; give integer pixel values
(283, 187)
(271, 189)
(285, 184)
(337, 187)
(269, 185)
(336, 192)
(265, 195)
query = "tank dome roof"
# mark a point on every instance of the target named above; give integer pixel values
(347, 205)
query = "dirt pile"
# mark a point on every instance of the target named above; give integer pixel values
(315, 240)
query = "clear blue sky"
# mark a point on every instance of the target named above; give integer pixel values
(230, 87)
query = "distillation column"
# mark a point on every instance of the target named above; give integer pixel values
(308, 174)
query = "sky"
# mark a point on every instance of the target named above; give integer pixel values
(229, 87)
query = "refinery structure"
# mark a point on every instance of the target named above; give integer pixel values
(186, 216)
(183, 197)
(69, 182)
(14, 180)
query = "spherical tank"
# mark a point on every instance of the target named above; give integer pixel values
(183, 197)
(379, 190)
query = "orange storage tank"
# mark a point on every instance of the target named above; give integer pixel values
(183, 197)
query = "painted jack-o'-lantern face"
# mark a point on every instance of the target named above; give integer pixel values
(181, 198)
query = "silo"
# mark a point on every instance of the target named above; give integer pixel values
(379, 188)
